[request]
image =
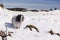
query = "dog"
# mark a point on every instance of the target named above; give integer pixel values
(30, 27)
(17, 20)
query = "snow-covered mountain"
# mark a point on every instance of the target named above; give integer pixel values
(44, 21)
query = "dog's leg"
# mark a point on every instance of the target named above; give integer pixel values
(30, 29)
(36, 29)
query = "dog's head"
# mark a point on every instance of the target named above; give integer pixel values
(19, 18)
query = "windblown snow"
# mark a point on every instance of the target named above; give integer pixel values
(44, 21)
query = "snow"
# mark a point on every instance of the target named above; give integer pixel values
(44, 21)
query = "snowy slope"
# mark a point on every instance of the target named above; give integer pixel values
(44, 21)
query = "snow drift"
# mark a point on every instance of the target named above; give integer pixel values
(44, 21)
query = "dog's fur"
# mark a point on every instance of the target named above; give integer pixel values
(4, 35)
(17, 20)
(32, 26)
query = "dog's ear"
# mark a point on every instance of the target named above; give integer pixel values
(27, 25)
(22, 18)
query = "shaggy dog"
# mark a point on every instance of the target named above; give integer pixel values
(17, 20)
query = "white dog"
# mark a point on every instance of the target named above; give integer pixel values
(17, 20)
